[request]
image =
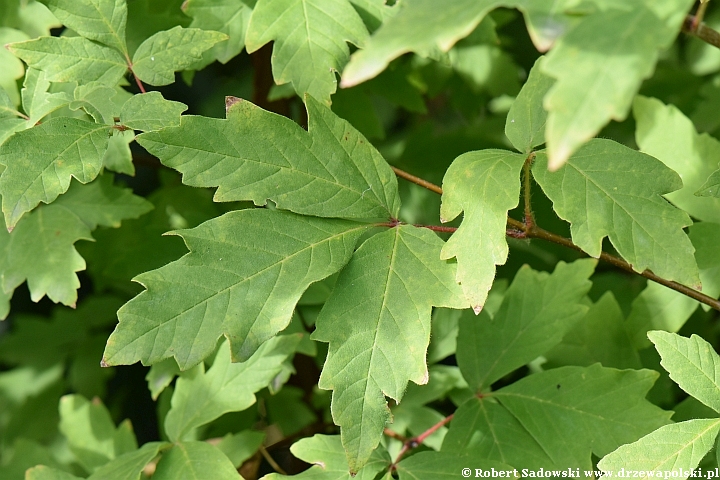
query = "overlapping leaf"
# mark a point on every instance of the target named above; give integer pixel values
(230, 17)
(377, 322)
(310, 41)
(201, 397)
(525, 123)
(231, 284)
(36, 100)
(485, 185)
(607, 189)
(599, 66)
(329, 171)
(150, 111)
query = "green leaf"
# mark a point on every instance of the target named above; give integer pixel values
(230, 17)
(418, 26)
(326, 455)
(200, 397)
(100, 20)
(668, 135)
(150, 111)
(692, 364)
(158, 58)
(160, 375)
(329, 171)
(485, 185)
(42, 160)
(449, 466)
(41, 472)
(118, 156)
(72, 59)
(229, 284)
(13, 69)
(704, 237)
(601, 408)
(91, 433)
(711, 187)
(676, 447)
(241, 446)
(98, 101)
(377, 322)
(525, 124)
(130, 465)
(600, 337)
(195, 460)
(310, 41)
(36, 100)
(607, 189)
(548, 21)
(536, 313)
(597, 84)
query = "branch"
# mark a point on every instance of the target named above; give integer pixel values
(417, 441)
(517, 229)
(693, 26)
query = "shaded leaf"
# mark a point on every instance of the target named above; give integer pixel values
(130, 465)
(525, 124)
(229, 284)
(160, 375)
(241, 446)
(377, 321)
(443, 465)
(195, 460)
(230, 17)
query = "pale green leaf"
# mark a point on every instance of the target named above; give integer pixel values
(41, 161)
(72, 59)
(160, 375)
(310, 41)
(130, 465)
(42, 472)
(13, 69)
(548, 21)
(326, 455)
(692, 364)
(485, 185)
(657, 308)
(450, 466)
(711, 187)
(118, 156)
(7, 108)
(200, 397)
(329, 171)
(607, 189)
(158, 58)
(150, 111)
(241, 446)
(599, 66)
(601, 409)
(101, 102)
(10, 125)
(677, 448)
(377, 321)
(600, 336)
(91, 433)
(229, 284)
(665, 133)
(36, 100)
(100, 20)
(418, 26)
(525, 124)
(536, 313)
(195, 460)
(230, 17)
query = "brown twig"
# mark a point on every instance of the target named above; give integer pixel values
(517, 229)
(389, 433)
(271, 461)
(693, 26)
(417, 441)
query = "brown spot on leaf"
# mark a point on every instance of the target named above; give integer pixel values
(230, 101)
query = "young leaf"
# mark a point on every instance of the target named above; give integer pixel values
(150, 111)
(91, 433)
(377, 322)
(525, 124)
(229, 284)
(72, 59)
(419, 27)
(310, 41)
(692, 364)
(665, 133)
(329, 171)
(100, 20)
(484, 184)
(711, 187)
(536, 313)
(158, 58)
(596, 85)
(607, 189)
(128, 466)
(601, 408)
(42, 160)
(195, 460)
(326, 455)
(675, 447)
(200, 397)
(230, 17)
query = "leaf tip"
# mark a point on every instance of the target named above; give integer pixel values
(477, 309)
(103, 363)
(230, 101)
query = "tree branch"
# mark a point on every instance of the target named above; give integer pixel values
(417, 441)
(693, 26)
(517, 229)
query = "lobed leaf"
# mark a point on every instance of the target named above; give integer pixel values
(230, 17)
(486, 185)
(607, 189)
(310, 41)
(377, 322)
(329, 171)
(229, 284)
